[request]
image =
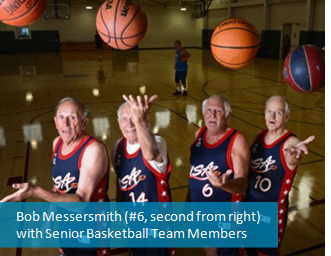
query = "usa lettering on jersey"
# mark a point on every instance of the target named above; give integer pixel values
(131, 180)
(262, 166)
(199, 172)
(66, 183)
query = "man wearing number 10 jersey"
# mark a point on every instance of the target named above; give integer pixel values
(275, 156)
(219, 161)
(141, 161)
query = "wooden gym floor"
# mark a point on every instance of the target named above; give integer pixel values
(32, 84)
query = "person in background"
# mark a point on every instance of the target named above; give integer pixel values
(181, 57)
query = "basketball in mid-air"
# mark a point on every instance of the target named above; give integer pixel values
(304, 68)
(122, 24)
(235, 42)
(21, 12)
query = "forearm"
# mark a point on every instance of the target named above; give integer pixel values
(50, 196)
(147, 141)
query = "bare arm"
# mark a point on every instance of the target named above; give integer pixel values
(94, 166)
(187, 54)
(293, 149)
(146, 138)
(240, 157)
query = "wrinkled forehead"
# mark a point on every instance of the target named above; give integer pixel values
(215, 103)
(69, 107)
(276, 104)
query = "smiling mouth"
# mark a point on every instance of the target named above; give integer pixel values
(132, 130)
(212, 122)
(66, 131)
(272, 122)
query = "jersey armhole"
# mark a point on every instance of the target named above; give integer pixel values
(156, 172)
(56, 147)
(229, 151)
(283, 159)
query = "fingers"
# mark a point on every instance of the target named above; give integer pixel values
(152, 99)
(9, 198)
(309, 139)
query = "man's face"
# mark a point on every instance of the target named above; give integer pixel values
(214, 115)
(126, 125)
(69, 122)
(275, 115)
(177, 46)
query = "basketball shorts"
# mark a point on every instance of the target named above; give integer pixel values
(181, 76)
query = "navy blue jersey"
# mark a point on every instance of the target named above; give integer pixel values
(66, 171)
(180, 65)
(270, 179)
(138, 180)
(217, 158)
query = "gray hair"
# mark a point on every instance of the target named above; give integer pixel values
(120, 108)
(80, 105)
(278, 97)
(226, 103)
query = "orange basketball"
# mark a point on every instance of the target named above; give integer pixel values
(234, 43)
(21, 12)
(122, 24)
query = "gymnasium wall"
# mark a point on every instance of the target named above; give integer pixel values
(168, 24)
(319, 16)
(164, 26)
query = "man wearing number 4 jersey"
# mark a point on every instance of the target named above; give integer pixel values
(141, 161)
(275, 156)
(219, 161)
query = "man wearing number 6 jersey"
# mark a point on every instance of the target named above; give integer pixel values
(219, 161)
(275, 157)
(140, 160)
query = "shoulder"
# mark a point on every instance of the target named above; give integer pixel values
(198, 132)
(95, 148)
(240, 141)
(55, 141)
(291, 141)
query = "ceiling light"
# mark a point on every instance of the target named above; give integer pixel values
(89, 7)
(183, 9)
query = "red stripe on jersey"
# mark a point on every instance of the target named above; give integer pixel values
(56, 146)
(275, 142)
(229, 150)
(283, 196)
(65, 157)
(225, 136)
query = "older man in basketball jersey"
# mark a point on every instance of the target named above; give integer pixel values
(141, 161)
(181, 57)
(80, 167)
(219, 161)
(275, 156)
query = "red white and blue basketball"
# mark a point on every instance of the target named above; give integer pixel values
(304, 68)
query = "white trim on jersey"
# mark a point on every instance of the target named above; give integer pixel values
(162, 146)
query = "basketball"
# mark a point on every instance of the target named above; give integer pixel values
(122, 24)
(21, 12)
(235, 43)
(304, 68)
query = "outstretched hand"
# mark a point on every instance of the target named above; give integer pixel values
(219, 181)
(139, 106)
(24, 191)
(297, 150)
